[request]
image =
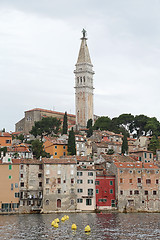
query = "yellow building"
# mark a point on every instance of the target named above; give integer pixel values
(9, 185)
(56, 148)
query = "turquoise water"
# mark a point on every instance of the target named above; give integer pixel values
(103, 226)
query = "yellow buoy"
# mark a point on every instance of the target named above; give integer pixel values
(53, 222)
(74, 227)
(62, 219)
(57, 220)
(56, 225)
(87, 228)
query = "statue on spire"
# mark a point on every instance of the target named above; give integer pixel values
(84, 32)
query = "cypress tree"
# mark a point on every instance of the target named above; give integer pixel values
(65, 124)
(71, 143)
(125, 144)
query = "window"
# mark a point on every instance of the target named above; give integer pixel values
(79, 173)
(148, 172)
(40, 167)
(139, 180)
(97, 191)
(59, 190)
(79, 200)
(59, 180)
(21, 175)
(90, 181)
(130, 180)
(121, 171)
(47, 180)
(150, 155)
(111, 191)
(55, 153)
(55, 147)
(157, 181)
(40, 184)
(121, 180)
(88, 202)
(102, 200)
(9, 177)
(16, 185)
(21, 166)
(72, 190)
(130, 171)
(47, 202)
(90, 192)
(121, 192)
(39, 175)
(145, 155)
(139, 171)
(157, 171)
(79, 181)
(16, 194)
(148, 181)
(130, 192)
(10, 167)
(72, 201)
(96, 182)
(8, 141)
(146, 192)
(72, 180)
(64, 147)
(136, 192)
(111, 183)
(11, 186)
(90, 173)
(64, 153)
(79, 190)
(47, 190)
(154, 192)
(140, 159)
(22, 184)
(113, 203)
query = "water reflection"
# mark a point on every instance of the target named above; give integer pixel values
(103, 226)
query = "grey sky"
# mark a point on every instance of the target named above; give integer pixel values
(39, 44)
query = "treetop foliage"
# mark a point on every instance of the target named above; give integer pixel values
(138, 125)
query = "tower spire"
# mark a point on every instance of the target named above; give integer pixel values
(84, 84)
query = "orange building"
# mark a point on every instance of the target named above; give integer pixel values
(56, 148)
(9, 185)
(5, 139)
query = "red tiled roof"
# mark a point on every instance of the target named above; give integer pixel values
(5, 134)
(134, 165)
(50, 111)
(84, 159)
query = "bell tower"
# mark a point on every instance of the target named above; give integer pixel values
(83, 84)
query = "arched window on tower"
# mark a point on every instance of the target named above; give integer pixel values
(77, 79)
(81, 80)
(84, 80)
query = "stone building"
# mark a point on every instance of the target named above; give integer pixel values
(31, 116)
(59, 188)
(84, 85)
(137, 186)
(9, 185)
(31, 185)
(85, 184)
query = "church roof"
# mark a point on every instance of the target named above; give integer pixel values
(84, 56)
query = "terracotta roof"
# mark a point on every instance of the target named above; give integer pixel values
(84, 159)
(85, 168)
(59, 160)
(14, 161)
(55, 141)
(137, 151)
(30, 161)
(5, 134)
(16, 133)
(49, 111)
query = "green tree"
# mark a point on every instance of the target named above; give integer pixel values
(21, 137)
(102, 123)
(65, 124)
(90, 128)
(139, 124)
(38, 149)
(154, 144)
(152, 127)
(45, 127)
(125, 145)
(71, 143)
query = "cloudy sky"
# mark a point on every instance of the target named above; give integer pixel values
(39, 45)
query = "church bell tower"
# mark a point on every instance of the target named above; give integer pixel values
(83, 85)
